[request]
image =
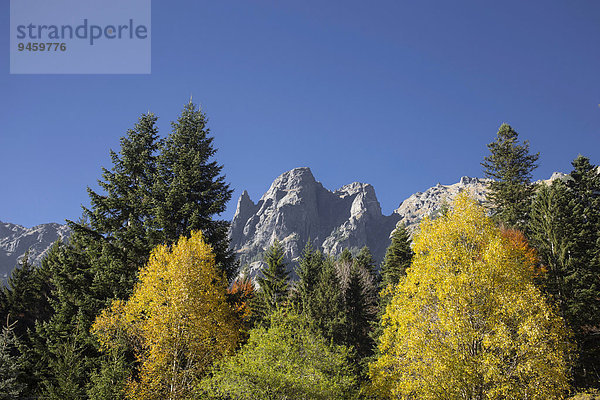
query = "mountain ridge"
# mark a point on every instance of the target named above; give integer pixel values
(16, 241)
(296, 208)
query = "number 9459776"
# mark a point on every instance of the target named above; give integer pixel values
(42, 46)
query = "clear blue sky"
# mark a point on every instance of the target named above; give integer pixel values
(399, 94)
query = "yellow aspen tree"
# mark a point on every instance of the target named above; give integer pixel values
(177, 321)
(467, 322)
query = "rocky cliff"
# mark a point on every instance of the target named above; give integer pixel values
(16, 240)
(297, 208)
(429, 202)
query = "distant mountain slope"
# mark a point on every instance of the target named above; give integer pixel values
(16, 240)
(422, 204)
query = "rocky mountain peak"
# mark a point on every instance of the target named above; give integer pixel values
(297, 208)
(297, 179)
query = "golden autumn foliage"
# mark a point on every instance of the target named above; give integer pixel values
(177, 320)
(466, 322)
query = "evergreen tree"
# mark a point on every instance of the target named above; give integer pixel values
(274, 283)
(549, 229)
(343, 267)
(361, 305)
(192, 189)
(510, 166)
(364, 259)
(68, 372)
(327, 311)
(63, 352)
(109, 381)
(396, 261)
(124, 213)
(319, 296)
(361, 312)
(25, 298)
(583, 302)
(11, 365)
(308, 271)
(346, 256)
(397, 257)
(565, 230)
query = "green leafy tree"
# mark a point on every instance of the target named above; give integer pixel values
(273, 292)
(288, 360)
(510, 166)
(467, 321)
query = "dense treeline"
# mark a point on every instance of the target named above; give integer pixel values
(143, 302)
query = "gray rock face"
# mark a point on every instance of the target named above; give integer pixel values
(16, 240)
(429, 202)
(297, 208)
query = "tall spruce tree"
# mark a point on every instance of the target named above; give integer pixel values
(369, 278)
(124, 214)
(510, 166)
(327, 312)
(360, 303)
(584, 261)
(25, 298)
(191, 187)
(308, 271)
(397, 257)
(549, 228)
(273, 292)
(11, 365)
(564, 226)
(396, 261)
(365, 260)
